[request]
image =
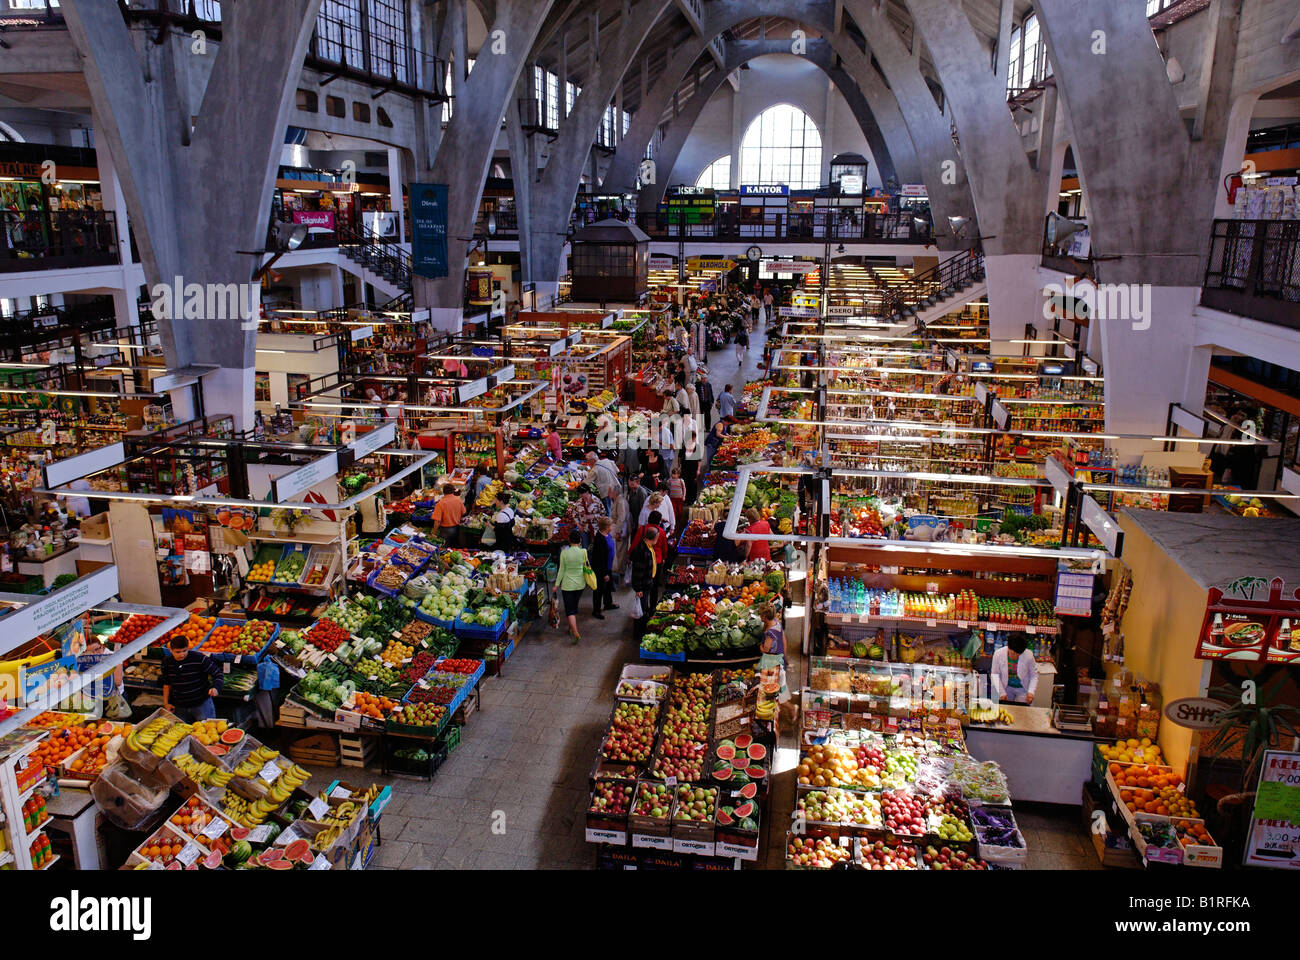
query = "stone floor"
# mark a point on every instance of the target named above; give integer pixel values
(514, 793)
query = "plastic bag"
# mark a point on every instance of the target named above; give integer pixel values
(637, 611)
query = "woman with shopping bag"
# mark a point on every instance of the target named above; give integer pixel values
(773, 650)
(575, 575)
(645, 568)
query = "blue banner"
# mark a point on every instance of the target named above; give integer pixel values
(429, 230)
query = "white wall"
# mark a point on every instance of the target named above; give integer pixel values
(773, 79)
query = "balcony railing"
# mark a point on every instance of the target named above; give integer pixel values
(507, 225)
(818, 226)
(57, 239)
(1254, 270)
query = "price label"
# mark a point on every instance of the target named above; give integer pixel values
(320, 863)
(318, 808)
(259, 833)
(1107, 629)
(341, 793)
(271, 772)
(932, 623)
(286, 838)
(962, 624)
(190, 854)
(1031, 630)
(863, 617)
(670, 781)
(225, 666)
(215, 829)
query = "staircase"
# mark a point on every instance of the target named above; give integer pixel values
(381, 263)
(928, 296)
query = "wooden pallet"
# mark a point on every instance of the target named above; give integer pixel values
(316, 750)
(358, 751)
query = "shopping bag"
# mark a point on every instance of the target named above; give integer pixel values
(637, 612)
(589, 575)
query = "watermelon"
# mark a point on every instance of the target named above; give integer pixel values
(722, 765)
(217, 750)
(743, 741)
(749, 791)
(274, 853)
(740, 763)
(756, 751)
(745, 809)
(106, 729)
(232, 736)
(279, 865)
(241, 851)
(758, 773)
(723, 774)
(726, 751)
(239, 833)
(297, 849)
(724, 818)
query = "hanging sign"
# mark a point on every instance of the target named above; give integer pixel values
(376, 439)
(1000, 414)
(765, 190)
(294, 482)
(29, 622)
(83, 465)
(790, 266)
(1195, 713)
(662, 263)
(475, 388)
(811, 312)
(429, 230)
(842, 311)
(1236, 626)
(504, 375)
(1056, 475)
(362, 333)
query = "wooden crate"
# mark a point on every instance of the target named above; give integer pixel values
(315, 749)
(358, 751)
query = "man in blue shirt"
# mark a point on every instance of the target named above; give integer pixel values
(189, 681)
(726, 403)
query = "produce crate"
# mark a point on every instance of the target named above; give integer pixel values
(606, 828)
(325, 557)
(357, 751)
(412, 767)
(423, 733)
(665, 657)
(315, 750)
(268, 553)
(388, 591)
(1150, 852)
(226, 657)
(474, 631)
(733, 841)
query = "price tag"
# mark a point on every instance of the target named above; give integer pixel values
(259, 833)
(271, 772)
(318, 808)
(397, 634)
(670, 781)
(863, 617)
(215, 829)
(962, 624)
(932, 623)
(286, 838)
(225, 666)
(372, 677)
(1107, 629)
(1031, 630)
(320, 863)
(155, 865)
(190, 854)
(341, 793)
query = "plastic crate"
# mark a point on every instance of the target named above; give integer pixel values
(226, 657)
(271, 552)
(665, 657)
(449, 625)
(474, 631)
(451, 739)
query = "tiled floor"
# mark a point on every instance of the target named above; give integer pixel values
(513, 794)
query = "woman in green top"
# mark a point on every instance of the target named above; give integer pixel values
(571, 579)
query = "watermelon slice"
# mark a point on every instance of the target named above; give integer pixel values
(272, 853)
(740, 763)
(232, 736)
(726, 751)
(106, 729)
(749, 790)
(758, 773)
(723, 774)
(725, 819)
(295, 850)
(756, 751)
(745, 809)
(239, 833)
(217, 750)
(279, 865)
(743, 741)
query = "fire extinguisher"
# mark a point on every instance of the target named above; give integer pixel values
(1232, 183)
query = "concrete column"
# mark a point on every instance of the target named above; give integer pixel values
(395, 190)
(1234, 150)
(125, 309)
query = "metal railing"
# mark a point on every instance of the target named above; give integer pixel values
(383, 257)
(1254, 270)
(57, 239)
(817, 226)
(507, 224)
(934, 286)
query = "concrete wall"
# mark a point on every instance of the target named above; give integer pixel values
(771, 80)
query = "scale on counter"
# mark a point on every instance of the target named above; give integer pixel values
(1071, 719)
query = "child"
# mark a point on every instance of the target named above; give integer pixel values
(677, 492)
(189, 682)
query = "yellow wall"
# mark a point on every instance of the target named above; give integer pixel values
(1160, 628)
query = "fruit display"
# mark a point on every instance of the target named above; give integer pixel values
(835, 765)
(247, 638)
(378, 672)
(263, 567)
(903, 813)
(162, 848)
(420, 714)
(350, 616)
(816, 853)
(448, 599)
(996, 827)
(61, 744)
(202, 773)
(1192, 833)
(684, 739)
(194, 629)
(290, 567)
(370, 705)
(136, 626)
(323, 691)
(326, 635)
(208, 732)
(420, 665)
(611, 797)
(886, 855)
(396, 652)
(1131, 751)
(980, 781)
(195, 818)
(87, 764)
(695, 803)
(159, 736)
(640, 690)
(631, 732)
(839, 806)
(653, 800)
(946, 858)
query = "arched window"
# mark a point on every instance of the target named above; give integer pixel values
(782, 145)
(717, 175)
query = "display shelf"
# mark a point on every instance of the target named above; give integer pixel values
(865, 618)
(50, 862)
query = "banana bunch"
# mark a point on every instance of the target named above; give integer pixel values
(204, 774)
(167, 740)
(1004, 716)
(326, 838)
(255, 761)
(143, 737)
(288, 781)
(369, 795)
(489, 494)
(766, 710)
(244, 812)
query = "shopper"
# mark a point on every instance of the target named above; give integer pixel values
(554, 447)
(653, 475)
(447, 515)
(477, 483)
(503, 523)
(758, 549)
(571, 580)
(726, 549)
(660, 503)
(1014, 672)
(587, 511)
(602, 477)
(773, 651)
(742, 347)
(769, 302)
(619, 517)
(716, 438)
(667, 442)
(637, 494)
(603, 553)
(726, 403)
(645, 572)
(677, 492)
(189, 682)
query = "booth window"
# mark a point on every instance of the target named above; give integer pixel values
(360, 112)
(782, 145)
(308, 101)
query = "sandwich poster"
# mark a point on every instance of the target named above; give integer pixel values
(1246, 624)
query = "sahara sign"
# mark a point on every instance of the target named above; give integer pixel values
(1195, 713)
